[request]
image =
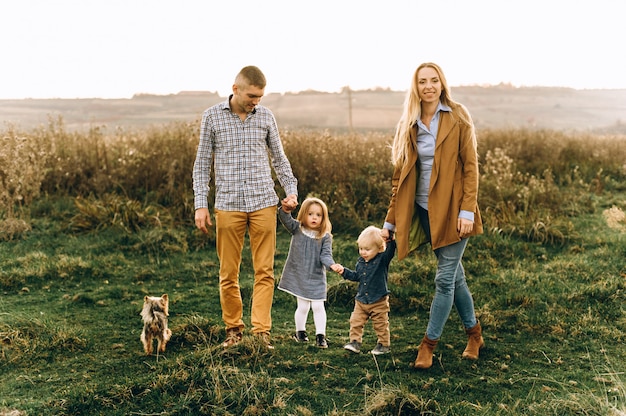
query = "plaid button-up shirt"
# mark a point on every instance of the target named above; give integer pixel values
(240, 153)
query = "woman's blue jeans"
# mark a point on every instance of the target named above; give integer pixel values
(450, 286)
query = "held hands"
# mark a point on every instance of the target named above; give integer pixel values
(337, 268)
(203, 219)
(386, 234)
(289, 203)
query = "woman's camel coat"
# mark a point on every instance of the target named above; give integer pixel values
(453, 186)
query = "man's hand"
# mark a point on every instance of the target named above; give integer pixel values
(203, 219)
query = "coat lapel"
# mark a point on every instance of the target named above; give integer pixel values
(446, 123)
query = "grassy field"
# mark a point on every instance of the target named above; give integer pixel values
(553, 319)
(548, 278)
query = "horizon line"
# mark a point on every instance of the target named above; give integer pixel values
(508, 86)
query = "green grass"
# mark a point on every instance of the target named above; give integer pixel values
(553, 319)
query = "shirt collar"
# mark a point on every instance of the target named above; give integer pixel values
(227, 105)
(440, 107)
(443, 107)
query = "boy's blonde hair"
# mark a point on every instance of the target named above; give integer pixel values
(325, 226)
(371, 237)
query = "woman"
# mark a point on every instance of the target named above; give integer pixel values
(434, 199)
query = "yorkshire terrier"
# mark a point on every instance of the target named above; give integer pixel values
(154, 314)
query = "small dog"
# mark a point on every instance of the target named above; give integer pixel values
(154, 314)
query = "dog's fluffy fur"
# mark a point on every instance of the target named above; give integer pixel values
(154, 314)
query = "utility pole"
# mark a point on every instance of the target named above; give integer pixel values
(350, 108)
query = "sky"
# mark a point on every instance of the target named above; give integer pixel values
(119, 48)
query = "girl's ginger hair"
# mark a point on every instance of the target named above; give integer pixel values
(325, 226)
(371, 235)
(412, 110)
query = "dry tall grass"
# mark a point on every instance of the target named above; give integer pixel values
(532, 181)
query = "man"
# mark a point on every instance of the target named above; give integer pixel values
(238, 138)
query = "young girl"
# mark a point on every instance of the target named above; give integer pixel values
(304, 274)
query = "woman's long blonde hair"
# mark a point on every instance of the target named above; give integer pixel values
(411, 112)
(325, 226)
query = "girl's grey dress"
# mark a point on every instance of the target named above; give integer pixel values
(304, 274)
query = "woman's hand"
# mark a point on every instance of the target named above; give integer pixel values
(464, 227)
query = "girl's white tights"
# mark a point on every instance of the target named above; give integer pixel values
(319, 315)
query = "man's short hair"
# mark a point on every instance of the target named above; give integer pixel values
(250, 75)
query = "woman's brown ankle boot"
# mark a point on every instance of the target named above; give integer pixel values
(474, 342)
(424, 358)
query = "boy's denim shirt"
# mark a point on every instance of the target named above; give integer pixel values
(372, 275)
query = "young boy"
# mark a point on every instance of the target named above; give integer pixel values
(372, 298)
